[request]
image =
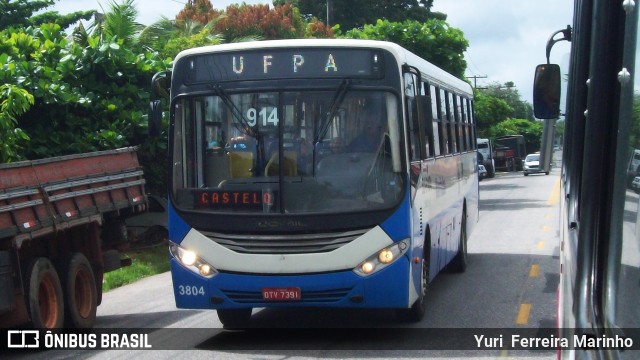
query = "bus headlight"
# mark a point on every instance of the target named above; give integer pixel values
(382, 258)
(192, 261)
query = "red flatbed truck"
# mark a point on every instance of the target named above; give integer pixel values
(61, 229)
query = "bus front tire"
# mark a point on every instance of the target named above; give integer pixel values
(80, 292)
(459, 262)
(416, 312)
(44, 295)
(234, 318)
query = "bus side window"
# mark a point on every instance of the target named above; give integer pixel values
(427, 120)
(434, 120)
(465, 123)
(451, 133)
(442, 122)
(472, 124)
(410, 82)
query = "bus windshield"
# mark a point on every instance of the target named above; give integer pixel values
(287, 152)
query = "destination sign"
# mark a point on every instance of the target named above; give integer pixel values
(234, 200)
(285, 63)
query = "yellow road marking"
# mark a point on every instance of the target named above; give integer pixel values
(523, 314)
(535, 270)
(554, 198)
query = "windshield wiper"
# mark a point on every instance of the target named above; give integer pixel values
(335, 105)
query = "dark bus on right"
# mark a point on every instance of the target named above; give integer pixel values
(600, 227)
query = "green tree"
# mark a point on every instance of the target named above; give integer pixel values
(531, 130)
(357, 13)
(191, 35)
(14, 101)
(63, 95)
(119, 24)
(519, 109)
(20, 13)
(433, 40)
(489, 111)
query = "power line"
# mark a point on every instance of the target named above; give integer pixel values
(475, 79)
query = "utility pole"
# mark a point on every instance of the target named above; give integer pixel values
(328, 13)
(475, 79)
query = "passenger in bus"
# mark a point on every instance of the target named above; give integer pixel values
(370, 138)
(304, 156)
(336, 145)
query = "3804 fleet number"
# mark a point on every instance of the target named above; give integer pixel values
(190, 290)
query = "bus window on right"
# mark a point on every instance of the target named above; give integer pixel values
(627, 311)
(628, 294)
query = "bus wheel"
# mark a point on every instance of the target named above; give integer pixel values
(44, 295)
(81, 295)
(459, 263)
(234, 318)
(416, 312)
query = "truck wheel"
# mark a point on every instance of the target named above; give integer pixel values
(44, 295)
(234, 318)
(81, 294)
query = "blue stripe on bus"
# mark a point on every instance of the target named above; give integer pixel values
(178, 228)
(397, 226)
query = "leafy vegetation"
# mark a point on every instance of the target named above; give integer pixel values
(433, 40)
(20, 13)
(531, 130)
(358, 13)
(500, 111)
(144, 262)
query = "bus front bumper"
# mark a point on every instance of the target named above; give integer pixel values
(388, 288)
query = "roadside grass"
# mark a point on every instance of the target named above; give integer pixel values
(144, 262)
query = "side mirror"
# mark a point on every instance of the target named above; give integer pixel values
(160, 87)
(155, 118)
(161, 84)
(546, 92)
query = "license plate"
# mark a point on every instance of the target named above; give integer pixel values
(281, 294)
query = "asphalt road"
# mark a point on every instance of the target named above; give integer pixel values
(510, 283)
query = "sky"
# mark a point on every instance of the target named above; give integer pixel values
(507, 38)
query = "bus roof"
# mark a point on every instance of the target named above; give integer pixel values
(429, 72)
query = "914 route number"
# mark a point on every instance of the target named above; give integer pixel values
(191, 290)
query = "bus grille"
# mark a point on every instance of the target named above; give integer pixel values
(284, 244)
(323, 296)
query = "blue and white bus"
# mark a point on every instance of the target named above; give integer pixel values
(325, 173)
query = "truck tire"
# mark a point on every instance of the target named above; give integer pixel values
(44, 295)
(80, 292)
